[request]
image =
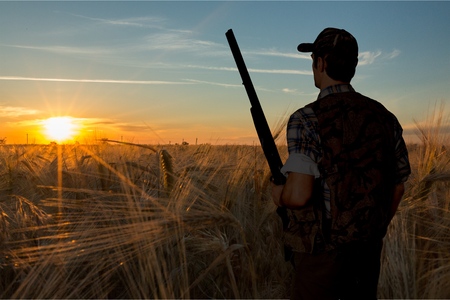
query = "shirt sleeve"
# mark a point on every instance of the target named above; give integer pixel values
(403, 168)
(303, 143)
(300, 163)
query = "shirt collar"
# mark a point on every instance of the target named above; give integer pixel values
(338, 88)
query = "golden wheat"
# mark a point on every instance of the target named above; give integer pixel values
(133, 221)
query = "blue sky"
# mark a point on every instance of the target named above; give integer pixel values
(162, 72)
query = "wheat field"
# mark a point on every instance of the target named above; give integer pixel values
(119, 220)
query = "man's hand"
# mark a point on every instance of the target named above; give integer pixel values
(276, 194)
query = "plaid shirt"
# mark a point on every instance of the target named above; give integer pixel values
(304, 144)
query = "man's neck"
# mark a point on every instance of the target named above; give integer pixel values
(327, 81)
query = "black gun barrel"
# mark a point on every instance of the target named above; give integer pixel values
(262, 128)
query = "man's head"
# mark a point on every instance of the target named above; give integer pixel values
(338, 51)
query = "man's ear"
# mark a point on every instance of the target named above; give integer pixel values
(321, 63)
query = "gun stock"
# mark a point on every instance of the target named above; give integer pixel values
(262, 128)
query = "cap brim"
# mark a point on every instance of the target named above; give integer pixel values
(305, 47)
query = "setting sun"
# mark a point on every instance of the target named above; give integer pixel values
(60, 128)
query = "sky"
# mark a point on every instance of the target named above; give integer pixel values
(161, 72)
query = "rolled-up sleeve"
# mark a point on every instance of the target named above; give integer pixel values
(303, 143)
(300, 163)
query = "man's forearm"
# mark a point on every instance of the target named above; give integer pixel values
(297, 191)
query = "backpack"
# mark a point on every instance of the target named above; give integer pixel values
(358, 165)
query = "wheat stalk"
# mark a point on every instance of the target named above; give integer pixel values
(167, 172)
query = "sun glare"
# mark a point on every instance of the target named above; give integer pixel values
(60, 129)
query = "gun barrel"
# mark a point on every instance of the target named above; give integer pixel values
(245, 76)
(262, 128)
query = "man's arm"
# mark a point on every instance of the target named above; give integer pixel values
(295, 193)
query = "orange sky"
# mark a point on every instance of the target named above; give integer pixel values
(161, 72)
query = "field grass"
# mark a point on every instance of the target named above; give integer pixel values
(133, 221)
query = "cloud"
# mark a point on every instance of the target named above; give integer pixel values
(214, 83)
(171, 41)
(369, 57)
(16, 111)
(164, 41)
(393, 54)
(281, 71)
(132, 127)
(95, 122)
(267, 71)
(365, 58)
(110, 124)
(272, 52)
(290, 91)
(298, 92)
(155, 22)
(240, 86)
(225, 84)
(88, 51)
(151, 82)
(134, 22)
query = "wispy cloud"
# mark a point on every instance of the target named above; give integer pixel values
(369, 57)
(155, 22)
(276, 53)
(225, 84)
(67, 50)
(148, 21)
(214, 83)
(298, 92)
(171, 41)
(151, 82)
(365, 58)
(16, 111)
(210, 68)
(267, 71)
(132, 127)
(281, 71)
(92, 124)
(290, 91)
(162, 41)
(393, 54)
(228, 85)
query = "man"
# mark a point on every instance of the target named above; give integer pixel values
(345, 173)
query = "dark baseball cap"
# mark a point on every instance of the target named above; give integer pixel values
(331, 40)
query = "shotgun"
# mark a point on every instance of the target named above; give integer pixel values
(262, 128)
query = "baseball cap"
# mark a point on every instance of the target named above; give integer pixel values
(332, 40)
